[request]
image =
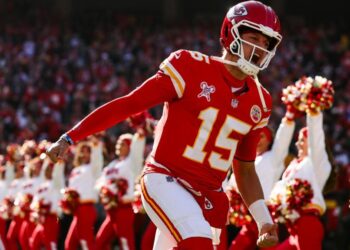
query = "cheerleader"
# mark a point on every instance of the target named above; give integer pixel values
(24, 198)
(14, 188)
(88, 162)
(269, 165)
(45, 207)
(6, 176)
(116, 188)
(311, 170)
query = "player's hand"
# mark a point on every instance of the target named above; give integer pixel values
(267, 235)
(57, 150)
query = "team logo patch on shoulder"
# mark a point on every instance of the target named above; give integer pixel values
(206, 90)
(255, 113)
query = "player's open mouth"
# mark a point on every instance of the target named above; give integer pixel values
(255, 58)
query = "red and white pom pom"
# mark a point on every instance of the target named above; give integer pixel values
(108, 197)
(286, 207)
(39, 210)
(6, 208)
(109, 194)
(238, 212)
(112, 192)
(24, 203)
(309, 94)
(69, 201)
(299, 193)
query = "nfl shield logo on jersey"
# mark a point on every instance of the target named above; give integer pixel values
(206, 90)
(234, 103)
(255, 113)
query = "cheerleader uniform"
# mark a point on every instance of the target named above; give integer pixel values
(82, 179)
(4, 186)
(119, 221)
(269, 167)
(16, 223)
(47, 228)
(307, 232)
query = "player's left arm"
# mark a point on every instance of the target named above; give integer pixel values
(250, 189)
(249, 186)
(248, 181)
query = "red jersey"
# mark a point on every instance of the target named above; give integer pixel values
(206, 121)
(207, 125)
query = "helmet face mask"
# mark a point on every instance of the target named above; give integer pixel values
(255, 17)
(247, 62)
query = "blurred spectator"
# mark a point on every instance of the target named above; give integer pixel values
(68, 70)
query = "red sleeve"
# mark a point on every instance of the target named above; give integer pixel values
(156, 90)
(246, 149)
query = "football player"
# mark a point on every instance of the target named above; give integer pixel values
(214, 109)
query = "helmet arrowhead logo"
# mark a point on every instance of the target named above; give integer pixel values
(237, 10)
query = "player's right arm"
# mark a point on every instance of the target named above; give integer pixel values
(164, 86)
(156, 90)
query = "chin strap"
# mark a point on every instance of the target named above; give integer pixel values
(262, 99)
(219, 59)
(257, 82)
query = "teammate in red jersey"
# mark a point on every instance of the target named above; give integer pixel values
(214, 108)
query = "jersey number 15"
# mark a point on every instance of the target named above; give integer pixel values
(196, 151)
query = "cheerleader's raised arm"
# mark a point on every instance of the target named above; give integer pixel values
(281, 145)
(96, 157)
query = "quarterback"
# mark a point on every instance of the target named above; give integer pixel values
(214, 109)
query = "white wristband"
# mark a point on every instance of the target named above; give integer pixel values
(260, 213)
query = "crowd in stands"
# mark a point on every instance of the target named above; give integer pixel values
(53, 74)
